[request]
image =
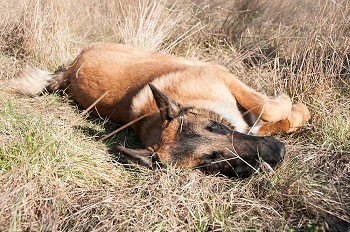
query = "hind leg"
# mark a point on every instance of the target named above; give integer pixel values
(297, 117)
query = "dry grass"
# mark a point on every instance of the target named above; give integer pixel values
(55, 176)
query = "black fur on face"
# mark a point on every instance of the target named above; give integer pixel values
(206, 142)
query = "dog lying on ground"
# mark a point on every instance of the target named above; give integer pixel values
(199, 114)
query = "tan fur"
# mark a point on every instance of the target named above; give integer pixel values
(125, 71)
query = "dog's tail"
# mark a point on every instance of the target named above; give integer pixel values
(33, 81)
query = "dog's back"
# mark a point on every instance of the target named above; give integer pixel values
(118, 69)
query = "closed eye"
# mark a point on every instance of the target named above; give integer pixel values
(217, 128)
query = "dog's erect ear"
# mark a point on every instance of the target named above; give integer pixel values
(141, 157)
(169, 109)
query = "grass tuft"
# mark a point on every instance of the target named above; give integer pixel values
(55, 176)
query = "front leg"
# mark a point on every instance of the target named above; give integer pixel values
(269, 109)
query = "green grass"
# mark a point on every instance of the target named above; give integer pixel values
(337, 131)
(55, 176)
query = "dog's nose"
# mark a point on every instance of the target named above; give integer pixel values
(276, 146)
(282, 148)
(268, 148)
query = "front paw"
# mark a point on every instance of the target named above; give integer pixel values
(298, 116)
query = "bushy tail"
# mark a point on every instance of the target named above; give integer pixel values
(33, 81)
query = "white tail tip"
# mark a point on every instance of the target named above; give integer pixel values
(31, 81)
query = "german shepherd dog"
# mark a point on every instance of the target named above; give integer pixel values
(199, 115)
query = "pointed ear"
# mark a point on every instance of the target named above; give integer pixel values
(141, 157)
(169, 109)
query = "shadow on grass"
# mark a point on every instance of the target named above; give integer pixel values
(100, 128)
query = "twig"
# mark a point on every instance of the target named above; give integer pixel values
(94, 104)
(125, 126)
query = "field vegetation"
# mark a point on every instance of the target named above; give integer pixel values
(56, 176)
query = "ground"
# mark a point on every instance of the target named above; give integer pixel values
(56, 176)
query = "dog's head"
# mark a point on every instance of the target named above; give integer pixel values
(195, 138)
